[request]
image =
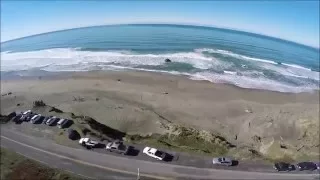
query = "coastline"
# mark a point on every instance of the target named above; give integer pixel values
(121, 99)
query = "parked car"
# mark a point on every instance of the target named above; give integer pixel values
(23, 117)
(27, 112)
(33, 117)
(52, 120)
(222, 161)
(26, 115)
(60, 122)
(64, 123)
(37, 118)
(29, 116)
(306, 166)
(282, 166)
(118, 147)
(87, 142)
(12, 115)
(17, 119)
(73, 134)
(46, 119)
(152, 152)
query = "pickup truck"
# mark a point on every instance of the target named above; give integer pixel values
(118, 147)
(88, 142)
(152, 152)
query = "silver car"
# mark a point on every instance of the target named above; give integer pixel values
(222, 161)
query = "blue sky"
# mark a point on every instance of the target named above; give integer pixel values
(297, 21)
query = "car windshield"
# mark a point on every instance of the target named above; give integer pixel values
(220, 159)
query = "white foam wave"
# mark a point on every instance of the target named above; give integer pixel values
(230, 72)
(296, 66)
(293, 71)
(252, 83)
(74, 60)
(239, 56)
(229, 53)
(71, 56)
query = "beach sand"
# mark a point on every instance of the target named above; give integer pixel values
(139, 102)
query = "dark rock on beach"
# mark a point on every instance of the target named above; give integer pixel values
(167, 60)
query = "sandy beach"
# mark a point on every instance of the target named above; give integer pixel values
(274, 123)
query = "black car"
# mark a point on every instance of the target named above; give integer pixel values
(282, 166)
(306, 166)
(73, 134)
(66, 123)
(17, 119)
(12, 115)
(29, 116)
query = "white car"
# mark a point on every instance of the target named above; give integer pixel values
(88, 142)
(51, 121)
(26, 112)
(152, 152)
(35, 118)
(222, 161)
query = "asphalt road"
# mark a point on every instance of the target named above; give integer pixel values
(105, 166)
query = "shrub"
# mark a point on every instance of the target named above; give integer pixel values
(39, 103)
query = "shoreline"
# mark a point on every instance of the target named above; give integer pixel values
(52, 75)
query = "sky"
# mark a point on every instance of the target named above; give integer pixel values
(291, 20)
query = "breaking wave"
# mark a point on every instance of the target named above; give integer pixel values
(204, 64)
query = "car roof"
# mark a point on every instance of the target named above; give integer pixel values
(225, 159)
(306, 163)
(64, 121)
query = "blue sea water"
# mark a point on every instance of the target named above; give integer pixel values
(202, 53)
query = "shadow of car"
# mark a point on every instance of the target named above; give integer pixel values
(132, 151)
(235, 163)
(168, 157)
(100, 146)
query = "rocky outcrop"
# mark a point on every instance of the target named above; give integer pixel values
(167, 60)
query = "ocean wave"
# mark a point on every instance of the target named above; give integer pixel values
(195, 64)
(239, 56)
(231, 54)
(252, 83)
(72, 56)
(296, 66)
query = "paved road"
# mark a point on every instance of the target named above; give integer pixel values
(102, 166)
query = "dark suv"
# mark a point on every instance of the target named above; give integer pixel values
(306, 166)
(282, 166)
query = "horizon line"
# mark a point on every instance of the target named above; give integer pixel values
(172, 24)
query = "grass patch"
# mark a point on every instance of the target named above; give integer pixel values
(39, 103)
(186, 140)
(16, 166)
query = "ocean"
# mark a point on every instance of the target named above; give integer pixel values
(202, 53)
